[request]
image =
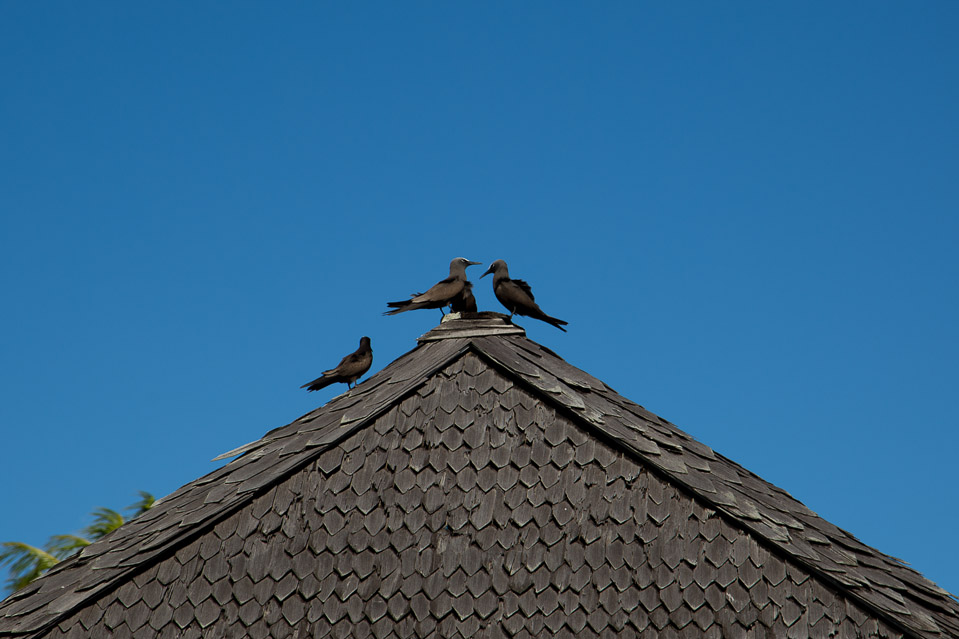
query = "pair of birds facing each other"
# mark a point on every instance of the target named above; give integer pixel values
(456, 292)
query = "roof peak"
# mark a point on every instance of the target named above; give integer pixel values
(464, 325)
(464, 346)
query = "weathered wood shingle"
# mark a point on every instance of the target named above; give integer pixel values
(480, 486)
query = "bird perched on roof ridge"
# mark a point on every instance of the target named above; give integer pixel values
(348, 370)
(464, 302)
(517, 296)
(440, 294)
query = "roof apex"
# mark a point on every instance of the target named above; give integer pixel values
(881, 584)
(466, 325)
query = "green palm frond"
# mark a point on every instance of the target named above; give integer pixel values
(144, 504)
(29, 562)
(105, 521)
(26, 562)
(64, 546)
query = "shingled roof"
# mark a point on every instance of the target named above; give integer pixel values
(480, 486)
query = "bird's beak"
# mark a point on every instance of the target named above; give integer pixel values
(488, 271)
(469, 263)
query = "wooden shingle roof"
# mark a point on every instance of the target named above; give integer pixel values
(480, 486)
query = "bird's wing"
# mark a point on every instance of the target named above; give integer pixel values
(352, 358)
(525, 288)
(443, 290)
(346, 361)
(354, 365)
(513, 297)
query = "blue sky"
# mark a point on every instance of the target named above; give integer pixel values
(747, 212)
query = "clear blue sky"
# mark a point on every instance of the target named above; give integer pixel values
(747, 212)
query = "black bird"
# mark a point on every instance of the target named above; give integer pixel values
(440, 294)
(517, 296)
(464, 302)
(348, 370)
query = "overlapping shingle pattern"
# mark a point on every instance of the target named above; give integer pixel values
(445, 497)
(470, 510)
(879, 581)
(188, 512)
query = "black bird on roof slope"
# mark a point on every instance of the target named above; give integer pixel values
(517, 296)
(441, 294)
(348, 370)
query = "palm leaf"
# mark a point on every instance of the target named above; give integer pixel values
(105, 521)
(144, 504)
(29, 562)
(64, 546)
(26, 562)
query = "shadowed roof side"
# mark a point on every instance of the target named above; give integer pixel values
(883, 584)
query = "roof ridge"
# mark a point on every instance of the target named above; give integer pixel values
(872, 579)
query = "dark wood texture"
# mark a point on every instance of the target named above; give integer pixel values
(480, 487)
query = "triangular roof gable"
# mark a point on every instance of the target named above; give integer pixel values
(895, 592)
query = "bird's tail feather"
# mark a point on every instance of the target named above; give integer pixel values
(318, 383)
(555, 321)
(403, 303)
(397, 310)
